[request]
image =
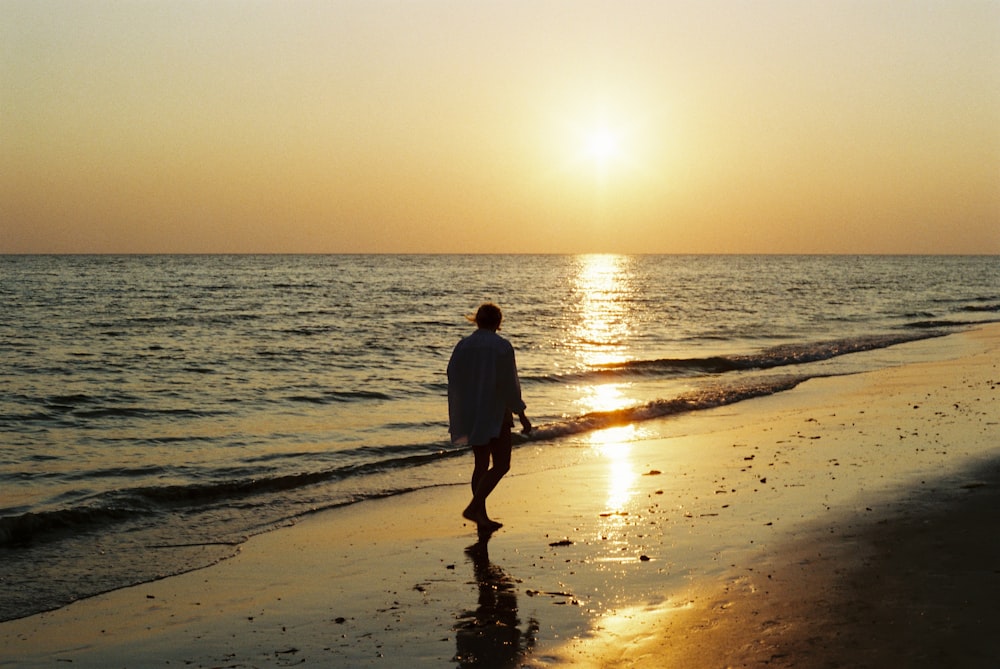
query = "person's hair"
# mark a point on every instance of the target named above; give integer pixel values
(487, 316)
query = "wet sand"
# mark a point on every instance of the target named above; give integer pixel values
(847, 523)
(916, 588)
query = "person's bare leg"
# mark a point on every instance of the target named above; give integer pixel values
(489, 481)
(482, 454)
(485, 478)
(477, 507)
(482, 465)
(476, 511)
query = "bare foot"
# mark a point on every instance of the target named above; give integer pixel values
(473, 514)
(479, 517)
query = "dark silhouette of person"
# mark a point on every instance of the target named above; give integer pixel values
(484, 392)
(489, 637)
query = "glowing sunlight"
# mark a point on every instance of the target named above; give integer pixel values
(603, 293)
(604, 397)
(602, 146)
(614, 445)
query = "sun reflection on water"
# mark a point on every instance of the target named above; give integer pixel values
(604, 397)
(603, 293)
(604, 304)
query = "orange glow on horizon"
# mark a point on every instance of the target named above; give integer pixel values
(354, 126)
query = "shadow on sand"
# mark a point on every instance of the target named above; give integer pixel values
(489, 637)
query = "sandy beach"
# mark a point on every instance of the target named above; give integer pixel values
(849, 522)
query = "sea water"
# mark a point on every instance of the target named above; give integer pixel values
(155, 411)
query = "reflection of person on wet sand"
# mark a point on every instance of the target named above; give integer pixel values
(483, 394)
(489, 637)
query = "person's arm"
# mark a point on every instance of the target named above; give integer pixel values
(517, 404)
(525, 423)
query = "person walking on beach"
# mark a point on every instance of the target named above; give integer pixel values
(484, 393)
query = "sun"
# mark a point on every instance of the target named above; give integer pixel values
(596, 148)
(602, 146)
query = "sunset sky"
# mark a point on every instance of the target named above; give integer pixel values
(655, 126)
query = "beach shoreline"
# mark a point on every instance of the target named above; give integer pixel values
(836, 524)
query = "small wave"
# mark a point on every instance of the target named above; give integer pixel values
(795, 354)
(309, 330)
(17, 421)
(678, 366)
(188, 319)
(28, 527)
(69, 401)
(114, 472)
(938, 324)
(981, 308)
(166, 439)
(157, 320)
(709, 398)
(141, 412)
(42, 457)
(770, 358)
(130, 504)
(336, 396)
(282, 285)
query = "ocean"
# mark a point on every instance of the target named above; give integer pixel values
(156, 411)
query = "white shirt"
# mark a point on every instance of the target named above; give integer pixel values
(483, 388)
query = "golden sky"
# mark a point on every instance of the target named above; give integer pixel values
(659, 126)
